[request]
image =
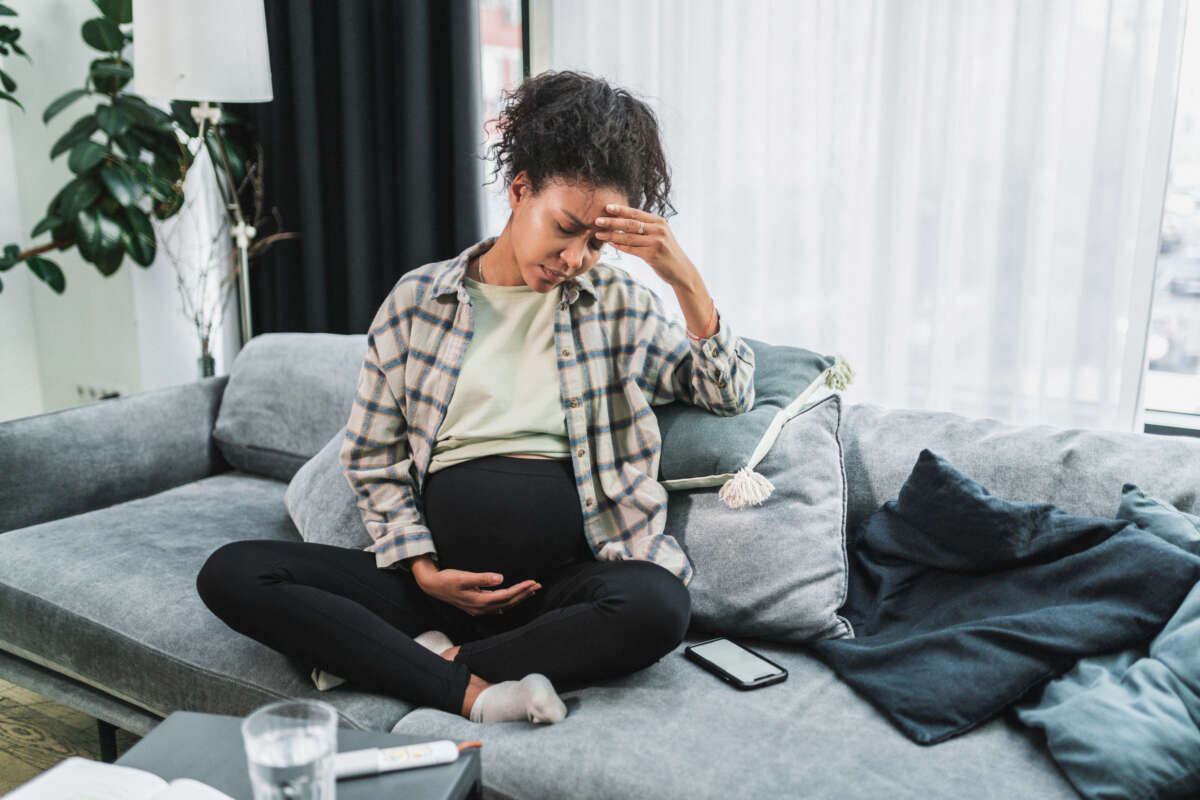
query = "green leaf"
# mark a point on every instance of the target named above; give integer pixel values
(116, 10)
(237, 166)
(21, 52)
(46, 224)
(103, 34)
(161, 188)
(62, 102)
(5, 11)
(99, 240)
(139, 240)
(9, 84)
(129, 146)
(86, 155)
(112, 121)
(83, 128)
(169, 207)
(9, 257)
(74, 197)
(181, 110)
(120, 184)
(110, 75)
(48, 272)
(11, 99)
(143, 113)
(167, 168)
(9, 34)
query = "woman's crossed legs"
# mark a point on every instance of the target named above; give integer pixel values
(334, 609)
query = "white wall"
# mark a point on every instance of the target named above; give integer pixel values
(20, 379)
(125, 332)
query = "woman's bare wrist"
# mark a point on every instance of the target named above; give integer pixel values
(422, 566)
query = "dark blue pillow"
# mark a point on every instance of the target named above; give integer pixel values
(1122, 724)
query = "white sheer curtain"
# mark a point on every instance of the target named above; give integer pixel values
(962, 198)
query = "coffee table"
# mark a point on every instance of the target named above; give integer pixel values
(208, 748)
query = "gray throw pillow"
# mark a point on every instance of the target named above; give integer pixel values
(780, 573)
(321, 502)
(701, 449)
(287, 393)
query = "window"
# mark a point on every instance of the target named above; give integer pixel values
(500, 61)
(1172, 391)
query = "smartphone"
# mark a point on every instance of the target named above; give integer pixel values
(733, 663)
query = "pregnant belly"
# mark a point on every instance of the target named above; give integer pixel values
(522, 525)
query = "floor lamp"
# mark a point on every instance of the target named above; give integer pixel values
(215, 51)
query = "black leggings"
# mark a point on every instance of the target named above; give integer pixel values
(335, 610)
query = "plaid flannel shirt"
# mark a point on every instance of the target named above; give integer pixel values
(618, 354)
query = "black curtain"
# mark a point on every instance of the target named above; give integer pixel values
(371, 150)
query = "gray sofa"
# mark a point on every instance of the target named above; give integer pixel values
(107, 512)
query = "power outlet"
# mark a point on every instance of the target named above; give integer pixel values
(89, 393)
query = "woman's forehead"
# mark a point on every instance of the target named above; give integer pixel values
(580, 197)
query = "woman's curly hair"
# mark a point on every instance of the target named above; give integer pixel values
(575, 127)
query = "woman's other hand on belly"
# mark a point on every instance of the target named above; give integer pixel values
(471, 591)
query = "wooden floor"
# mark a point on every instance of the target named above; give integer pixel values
(36, 733)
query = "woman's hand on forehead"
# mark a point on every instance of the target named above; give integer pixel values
(648, 237)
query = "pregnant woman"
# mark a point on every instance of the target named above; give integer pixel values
(502, 445)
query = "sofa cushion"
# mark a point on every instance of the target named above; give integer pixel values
(322, 504)
(702, 449)
(109, 598)
(673, 730)
(287, 394)
(776, 571)
(1074, 469)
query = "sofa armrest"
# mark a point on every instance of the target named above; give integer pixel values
(86, 457)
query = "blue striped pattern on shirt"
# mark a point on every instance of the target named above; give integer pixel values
(618, 354)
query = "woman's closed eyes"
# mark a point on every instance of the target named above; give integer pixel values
(594, 243)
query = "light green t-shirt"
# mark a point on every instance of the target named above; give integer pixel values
(507, 398)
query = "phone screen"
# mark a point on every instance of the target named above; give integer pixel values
(736, 660)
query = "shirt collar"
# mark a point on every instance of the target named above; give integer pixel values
(451, 279)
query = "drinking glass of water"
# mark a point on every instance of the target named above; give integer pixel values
(290, 747)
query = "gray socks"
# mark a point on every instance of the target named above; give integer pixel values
(532, 698)
(436, 641)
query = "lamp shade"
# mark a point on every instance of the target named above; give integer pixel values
(211, 50)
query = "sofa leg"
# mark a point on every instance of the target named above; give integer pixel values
(108, 740)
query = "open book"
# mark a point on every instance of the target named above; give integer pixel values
(78, 778)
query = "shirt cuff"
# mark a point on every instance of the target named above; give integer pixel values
(402, 543)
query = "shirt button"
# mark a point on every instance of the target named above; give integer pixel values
(563, 305)
(574, 402)
(589, 501)
(580, 451)
(566, 352)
